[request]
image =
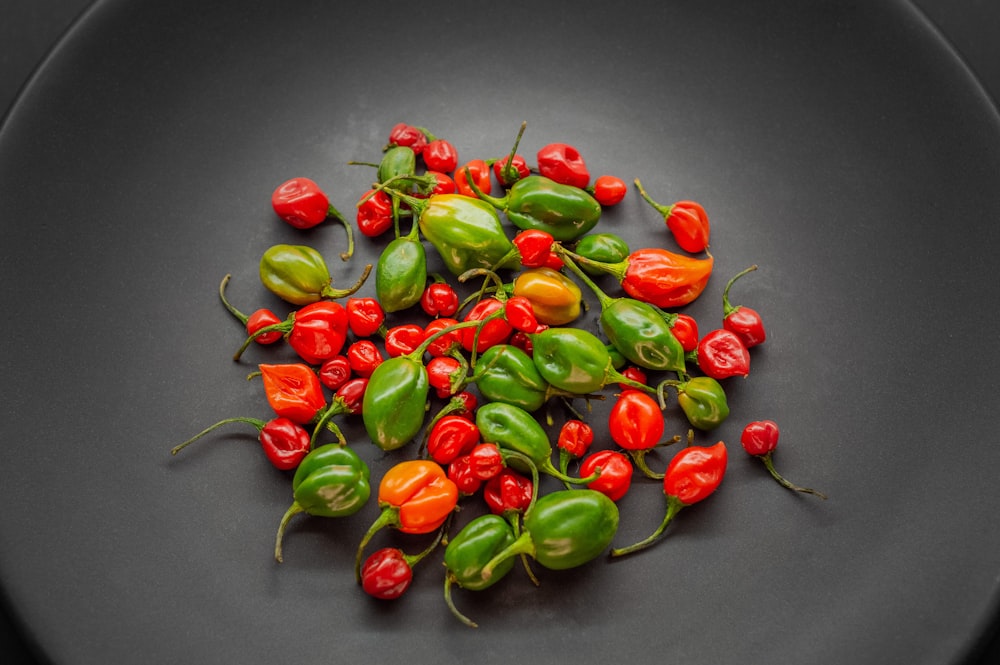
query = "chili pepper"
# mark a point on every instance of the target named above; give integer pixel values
(576, 361)
(335, 372)
(299, 275)
(495, 330)
(635, 374)
(636, 421)
(364, 357)
(284, 442)
(534, 247)
(685, 329)
(387, 573)
(466, 232)
(365, 316)
(563, 164)
(352, 395)
(399, 160)
(415, 497)
(521, 340)
(403, 339)
(439, 298)
(507, 176)
(563, 529)
(471, 176)
(686, 220)
(375, 213)
(555, 298)
(575, 438)
(692, 476)
(702, 399)
(760, 438)
(331, 481)
(401, 273)
(460, 473)
(721, 354)
(261, 318)
(467, 554)
(636, 328)
(316, 332)
(440, 155)
(437, 183)
(445, 374)
(505, 373)
(486, 460)
(615, 473)
(508, 492)
(451, 437)
(655, 275)
(536, 202)
(407, 135)
(745, 323)
(609, 190)
(446, 344)
(520, 314)
(601, 247)
(293, 391)
(512, 428)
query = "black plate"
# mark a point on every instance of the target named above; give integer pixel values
(841, 148)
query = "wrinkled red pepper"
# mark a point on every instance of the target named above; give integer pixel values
(294, 391)
(564, 164)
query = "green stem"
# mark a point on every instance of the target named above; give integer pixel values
(498, 203)
(256, 422)
(510, 173)
(282, 327)
(766, 457)
(336, 215)
(674, 506)
(337, 406)
(448, 582)
(617, 269)
(514, 520)
(521, 545)
(602, 297)
(232, 310)
(334, 294)
(292, 511)
(388, 517)
(660, 208)
(728, 309)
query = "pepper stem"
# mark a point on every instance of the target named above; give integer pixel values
(602, 297)
(510, 173)
(292, 511)
(282, 327)
(337, 406)
(335, 214)
(448, 580)
(333, 294)
(660, 208)
(498, 203)
(674, 506)
(521, 545)
(232, 310)
(769, 463)
(617, 269)
(256, 422)
(728, 309)
(388, 517)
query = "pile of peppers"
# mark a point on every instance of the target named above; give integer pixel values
(475, 383)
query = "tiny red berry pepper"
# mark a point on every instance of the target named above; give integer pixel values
(609, 190)
(686, 220)
(335, 372)
(407, 135)
(284, 442)
(262, 318)
(364, 357)
(744, 322)
(759, 439)
(573, 442)
(387, 573)
(615, 473)
(365, 316)
(440, 155)
(450, 437)
(439, 298)
(375, 213)
(636, 424)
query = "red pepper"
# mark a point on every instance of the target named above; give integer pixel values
(374, 213)
(443, 184)
(575, 437)
(745, 323)
(636, 421)
(293, 391)
(721, 354)
(534, 246)
(352, 395)
(686, 220)
(440, 155)
(301, 203)
(365, 316)
(444, 373)
(685, 329)
(447, 343)
(480, 174)
(633, 373)
(564, 164)
(522, 341)
(616, 473)
(486, 460)
(451, 437)
(403, 339)
(518, 169)
(407, 135)
(759, 439)
(284, 442)
(364, 357)
(464, 404)
(335, 372)
(261, 319)
(319, 331)
(386, 574)
(493, 332)
(609, 190)
(461, 473)
(508, 492)
(520, 314)
(439, 299)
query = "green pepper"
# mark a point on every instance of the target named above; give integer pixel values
(636, 328)
(537, 202)
(555, 298)
(466, 232)
(331, 481)
(505, 373)
(469, 551)
(513, 429)
(401, 273)
(397, 161)
(702, 399)
(299, 275)
(602, 247)
(563, 529)
(575, 360)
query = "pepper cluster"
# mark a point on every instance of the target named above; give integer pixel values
(455, 375)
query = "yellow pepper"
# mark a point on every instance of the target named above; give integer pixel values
(555, 298)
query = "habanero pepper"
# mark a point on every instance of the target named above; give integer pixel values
(401, 273)
(721, 354)
(349, 399)
(365, 316)
(616, 473)
(335, 372)
(284, 442)
(261, 318)
(446, 374)
(508, 493)
(415, 497)
(702, 399)
(302, 204)
(439, 298)
(609, 190)
(294, 391)
(299, 275)
(468, 552)
(564, 164)
(317, 332)
(686, 221)
(447, 344)
(555, 299)
(440, 155)
(450, 437)
(601, 247)
(403, 339)
(472, 177)
(636, 424)
(460, 473)
(387, 573)
(742, 321)
(507, 175)
(406, 135)
(364, 357)
(576, 361)
(759, 438)
(493, 328)
(692, 476)
(573, 442)
(331, 481)
(375, 213)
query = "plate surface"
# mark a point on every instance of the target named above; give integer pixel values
(843, 149)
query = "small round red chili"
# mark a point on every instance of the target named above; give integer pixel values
(575, 437)
(386, 574)
(262, 318)
(374, 213)
(721, 354)
(364, 357)
(463, 404)
(508, 176)
(443, 184)
(439, 299)
(534, 246)
(440, 155)
(444, 373)
(403, 339)
(301, 203)
(460, 472)
(760, 438)
(633, 373)
(407, 135)
(685, 329)
(616, 473)
(365, 316)
(744, 322)
(636, 421)
(486, 460)
(564, 164)
(352, 394)
(335, 372)
(520, 314)
(451, 437)
(687, 221)
(447, 343)
(319, 331)
(284, 442)
(508, 491)
(609, 190)
(493, 332)
(480, 174)
(522, 341)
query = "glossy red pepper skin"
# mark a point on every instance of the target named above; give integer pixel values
(403, 339)
(695, 473)
(520, 314)
(685, 329)
(534, 246)
(609, 190)
(335, 372)
(374, 215)
(440, 155)
(352, 395)
(386, 574)
(636, 421)
(364, 357)
(407, 135)
(665, 279)
(760, 438)
(616, 473)
(319, 331)
(742, 321)
(480, 174)
(447, 343)
(721, 354)
(444, 373)
(451, 437)
(688, 223)
(461, 473)
(575, 437)
(301, 203)
(486, 460)
(564, 164)
(294, 391)
(439, 299)
(263, 318)
(443, 184)
(507, 177)
(285, 443)
(508, 492)
(365, 316)
(496, 331)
